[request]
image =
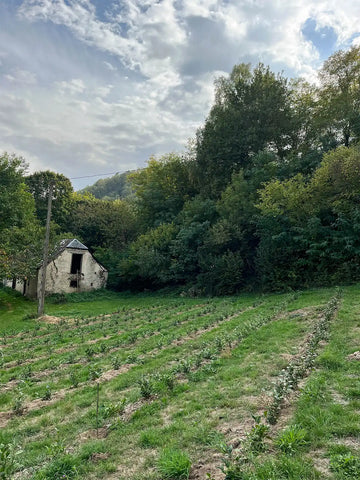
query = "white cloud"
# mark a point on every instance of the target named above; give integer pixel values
(151, 82)
(21, 77)
(74, 86)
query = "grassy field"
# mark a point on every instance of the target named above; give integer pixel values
(119, 386)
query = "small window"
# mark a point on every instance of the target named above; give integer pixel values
(91, 284)
(76, 263)
(73, 284)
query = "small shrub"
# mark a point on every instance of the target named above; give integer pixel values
(47, 393)
(110, 409)
(116, 363)
(174, 464)
(74, 378)
(257, 435)
(291, 439)
(94, 372)
(18, 405)
(146, 384)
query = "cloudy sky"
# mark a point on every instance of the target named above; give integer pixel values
(97, 86)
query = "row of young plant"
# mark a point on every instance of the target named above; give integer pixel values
(239, 463)
(92, 352)
(99, 324)
(104, 328)
(129, 358)
(207, 351)
(301, 365)
(203, 361)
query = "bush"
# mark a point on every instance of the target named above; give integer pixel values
(174, 464)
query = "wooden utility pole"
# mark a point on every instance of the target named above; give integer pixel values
(41, 300)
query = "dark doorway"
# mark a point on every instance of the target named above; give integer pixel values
(76, 263)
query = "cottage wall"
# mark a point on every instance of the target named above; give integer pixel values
(59, 278)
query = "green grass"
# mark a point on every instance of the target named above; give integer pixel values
(178, 378)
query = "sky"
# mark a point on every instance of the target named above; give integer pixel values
(92, 87)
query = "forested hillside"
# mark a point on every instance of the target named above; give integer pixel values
(111, 188)
(267, 195)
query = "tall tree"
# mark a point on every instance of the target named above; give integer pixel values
(339, 97)
(38, 184)
(252, 111)
(20, 233)
(162, 188)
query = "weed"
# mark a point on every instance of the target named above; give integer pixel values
(291, 439)
(89, 351)
(62, 468)
(103, 348)
(71, 358)
(174, 464)
(7, 460)
(347, 466)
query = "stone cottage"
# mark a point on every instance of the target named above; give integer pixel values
(71, 268)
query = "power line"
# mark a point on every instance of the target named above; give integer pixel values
(97, 175)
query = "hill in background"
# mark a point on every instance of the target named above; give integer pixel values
(111, 188)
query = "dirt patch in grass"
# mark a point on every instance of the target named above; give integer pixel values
(338, 398)
(354, 356)
(93, 434)
(110, 374)
(351, 442)
(4, 418)
(200, 470)
(321, 463)
(50, 319)
(99, 457)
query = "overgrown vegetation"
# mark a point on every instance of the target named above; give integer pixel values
(265, 197)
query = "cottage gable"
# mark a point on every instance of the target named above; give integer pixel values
(70, 268)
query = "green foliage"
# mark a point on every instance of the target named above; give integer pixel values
(113, 188)
(20, 233)
(174, 464)
(257, 435)
(346, 466)
(162, 188)
(292, 439)
(62, 202)
(252, 110)
(8, 454)
(62, 468)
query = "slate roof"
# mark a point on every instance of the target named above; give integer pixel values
(76, 244)
(66, 243)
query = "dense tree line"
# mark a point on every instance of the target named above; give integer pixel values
(267, 196)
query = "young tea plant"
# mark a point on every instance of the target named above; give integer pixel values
(258, 434)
